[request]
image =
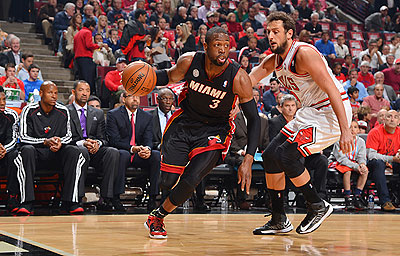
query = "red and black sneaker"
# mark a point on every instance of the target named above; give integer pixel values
(13, 204)
(156, 226)
(75, 208)
(25, 209)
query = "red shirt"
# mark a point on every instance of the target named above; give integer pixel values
(20, 84)
(341, 78)
(83, 43)
(234, 27)
(383, 142)
(113, 80)
(170, 36)
(366, 80)
(392, 79)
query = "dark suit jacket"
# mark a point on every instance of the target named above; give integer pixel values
(269, 100)
(95, 125)
(239, 140)
(61, 21)
(275, 125)
(119, 128)
(8, 57)
(157, 135)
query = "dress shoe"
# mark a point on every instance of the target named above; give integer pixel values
(118, 206)
(104, 204)
(388, 207)
(202, 207)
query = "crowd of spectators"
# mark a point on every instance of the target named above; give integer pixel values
(92, 33)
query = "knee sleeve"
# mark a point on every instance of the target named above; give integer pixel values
(181, 192)
(290, 159)
(270, 155)
(168, 180)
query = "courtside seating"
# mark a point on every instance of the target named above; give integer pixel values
(325, 26)
(373, 35)
(356, 44)
(336, 33)
(356, 35)
(357, 27)
(340, 26)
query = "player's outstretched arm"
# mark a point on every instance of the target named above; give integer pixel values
(242, 88)
(309, 61)
(265, 68)
(177, 72)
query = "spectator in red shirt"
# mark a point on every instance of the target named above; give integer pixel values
(134, 37)
(162, 24)
(120, 25)
(392, 76)
(83, 48)
(364, 76)
(337, 71)
(11, 81)
(113, 80)
(383, 145)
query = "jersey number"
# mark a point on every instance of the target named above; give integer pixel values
(215, 104)
(288, 83)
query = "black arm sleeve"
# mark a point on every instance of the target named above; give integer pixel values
(162, 77)
(253, 125)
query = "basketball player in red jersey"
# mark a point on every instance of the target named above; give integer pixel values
(198, 135)
(323, 119)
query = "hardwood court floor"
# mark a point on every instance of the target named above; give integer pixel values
(203, 234)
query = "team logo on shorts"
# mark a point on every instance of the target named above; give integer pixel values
(196, 72)
(212, 140)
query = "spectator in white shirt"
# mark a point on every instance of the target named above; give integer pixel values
(341, 48)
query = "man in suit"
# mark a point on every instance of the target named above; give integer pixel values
(388, 92)
(130, 130)
(317, 162)
(237, 150)
(13, 56)
(161, 115)
(88, 133)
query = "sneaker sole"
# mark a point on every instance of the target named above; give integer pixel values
(327, 214)
(153, 236)
(272, 232)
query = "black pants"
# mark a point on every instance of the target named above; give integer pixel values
(151, 165)
(7, 165)
(105, 161)
(318, 163)
(87, 71)
(69, 160)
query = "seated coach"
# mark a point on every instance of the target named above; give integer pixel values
(88, 133)
(45, 133)
(130, 130)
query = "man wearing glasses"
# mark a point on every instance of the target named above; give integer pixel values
(130, 130)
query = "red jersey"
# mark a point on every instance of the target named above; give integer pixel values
(341, 78)
(83, 43)
(383, 142)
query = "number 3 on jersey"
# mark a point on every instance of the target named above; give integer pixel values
(215, 104)
(288, 83)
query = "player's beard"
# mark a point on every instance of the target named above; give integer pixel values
(215, 61)
(281, 48)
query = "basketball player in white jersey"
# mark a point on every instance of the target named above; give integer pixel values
(323, 119)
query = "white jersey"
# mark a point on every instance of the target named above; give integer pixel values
(315, 125)
(302, 86)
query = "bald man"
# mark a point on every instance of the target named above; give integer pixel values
(45, 133)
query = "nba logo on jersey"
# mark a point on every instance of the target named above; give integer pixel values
(225, 84)
(196, 73)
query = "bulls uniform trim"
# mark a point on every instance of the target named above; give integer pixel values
(325, 102)
(304, 138)
(78, 172)
(279, 67)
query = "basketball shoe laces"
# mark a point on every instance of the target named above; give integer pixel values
(157, 225)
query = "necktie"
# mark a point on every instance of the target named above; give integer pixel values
(83, 122)
(132, 143)
(166, 118)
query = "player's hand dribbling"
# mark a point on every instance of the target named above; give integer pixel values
(346, 141)
(244, 173)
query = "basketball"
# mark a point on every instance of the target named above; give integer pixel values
(139, 78)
